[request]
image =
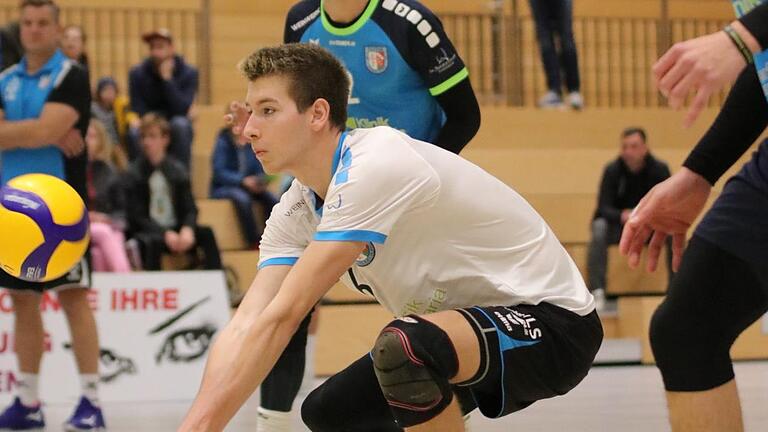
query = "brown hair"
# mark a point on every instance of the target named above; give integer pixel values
(151, 120)
(314, 73)
(41, 3)
(634, 130)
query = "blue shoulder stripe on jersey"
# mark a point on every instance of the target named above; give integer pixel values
(278, 261)
(346, 161)
(337, 154)
(351, 235)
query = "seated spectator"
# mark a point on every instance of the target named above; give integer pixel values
(113, 111)
(73, 44)
(239, 177)
(625, 181)
(166, 85)
(162, 215)
(106, 197)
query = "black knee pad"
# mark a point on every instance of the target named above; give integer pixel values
(413, 360)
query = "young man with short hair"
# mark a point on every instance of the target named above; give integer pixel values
(491, 305)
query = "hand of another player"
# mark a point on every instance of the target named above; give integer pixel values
(703, 65)
(668, 209)
(72, 143)
(186, 239)
(237, 118)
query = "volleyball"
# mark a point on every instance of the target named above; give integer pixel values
(43, 227)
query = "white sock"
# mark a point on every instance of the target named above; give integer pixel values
(89, 384)
(273, 421)
(28, 389)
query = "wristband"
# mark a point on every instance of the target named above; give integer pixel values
(739, 43)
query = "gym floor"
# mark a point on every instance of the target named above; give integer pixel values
(611, 399)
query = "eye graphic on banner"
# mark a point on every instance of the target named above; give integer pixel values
(111, 365)
(187, 344)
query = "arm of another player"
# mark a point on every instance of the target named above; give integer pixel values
(462, 116)
(707, 63)
(56, 120)
(249, 346)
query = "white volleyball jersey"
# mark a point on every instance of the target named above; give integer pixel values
(441, 232)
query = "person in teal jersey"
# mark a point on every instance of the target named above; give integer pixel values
(404, 70)
(44, 114)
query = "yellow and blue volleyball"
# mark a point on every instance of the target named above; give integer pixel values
(43, 228)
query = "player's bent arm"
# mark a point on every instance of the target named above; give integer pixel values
(55, 121)
(249, 346)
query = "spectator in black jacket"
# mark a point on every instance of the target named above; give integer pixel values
(162, 214)
(625, 181)
(166, 85)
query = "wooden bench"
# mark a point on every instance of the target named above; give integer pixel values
(221, 217)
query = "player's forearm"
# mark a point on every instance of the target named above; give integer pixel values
(742, 119)
(24, 134)
(241, 358)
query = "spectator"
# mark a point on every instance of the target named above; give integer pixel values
(163, 215)
(107, 201)
(73, 44)
(165, 84)
(239, 177)
(113, 110)
(625, 181)
(555, 18)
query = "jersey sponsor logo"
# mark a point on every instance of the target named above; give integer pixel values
(363, 123)
(304, 21)
(334, 205)
(367, 256)
(444, 62)
(12, 89)
(343, 43)
(294, 208)
(376, 59)
(45, 80)
(414, 17)
(314, 41)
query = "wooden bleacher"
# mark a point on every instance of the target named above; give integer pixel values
(553, 159)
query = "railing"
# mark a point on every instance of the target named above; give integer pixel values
(114, 42)
(615, 56)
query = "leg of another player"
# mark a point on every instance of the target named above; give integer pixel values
(82, 327)
(28, 329)
(468, 353)
(688, 410)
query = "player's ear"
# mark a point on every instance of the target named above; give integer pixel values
(320, 114)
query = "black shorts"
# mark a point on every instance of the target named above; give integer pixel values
(529, 353)
(78, 277)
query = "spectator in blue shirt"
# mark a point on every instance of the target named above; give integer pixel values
(239, 177)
